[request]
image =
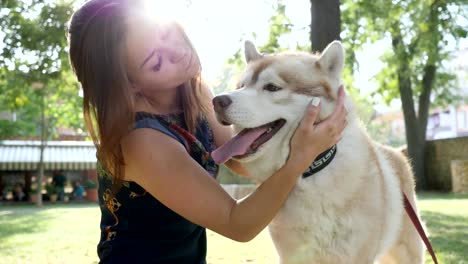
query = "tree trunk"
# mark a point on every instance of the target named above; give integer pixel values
(416, 152)
(415, 134)
(425, 97)
(41, 151)
(416, 127)
(325, 24)
(41, 174)
(27, 182)
(414, 138)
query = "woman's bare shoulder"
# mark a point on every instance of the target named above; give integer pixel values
(146, 148)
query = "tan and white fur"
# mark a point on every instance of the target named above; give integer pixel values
(352, 210)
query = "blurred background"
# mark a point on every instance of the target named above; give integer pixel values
(406, 68)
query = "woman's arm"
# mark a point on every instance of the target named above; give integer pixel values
(167, 172)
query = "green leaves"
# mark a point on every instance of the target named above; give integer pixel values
(279, 25)
(35, 51)
(421, 32)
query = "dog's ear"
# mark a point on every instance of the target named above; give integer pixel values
(251, 52)
(332, 59)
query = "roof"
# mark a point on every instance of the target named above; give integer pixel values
(58, 155)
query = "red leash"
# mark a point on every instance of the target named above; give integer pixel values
(417, 224)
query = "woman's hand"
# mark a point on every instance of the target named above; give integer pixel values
(311, 139)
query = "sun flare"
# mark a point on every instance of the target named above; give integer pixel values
(163, 10)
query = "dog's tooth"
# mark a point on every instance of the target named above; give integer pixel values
(269, 130)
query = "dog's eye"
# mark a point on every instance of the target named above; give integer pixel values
(271, 87)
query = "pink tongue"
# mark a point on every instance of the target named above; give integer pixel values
(238, 145)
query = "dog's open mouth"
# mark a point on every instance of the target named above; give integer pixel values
(247, 141)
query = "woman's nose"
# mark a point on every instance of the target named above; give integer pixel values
(178, 54)
(173, 44)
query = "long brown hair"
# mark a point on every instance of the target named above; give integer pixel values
(96, 34)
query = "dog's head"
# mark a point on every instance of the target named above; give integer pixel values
(272, 95)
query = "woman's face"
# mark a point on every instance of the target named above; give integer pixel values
(159, 56)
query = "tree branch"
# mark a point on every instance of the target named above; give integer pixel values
(424, 98)
(325, 23)
(404, 81)
(429, 73)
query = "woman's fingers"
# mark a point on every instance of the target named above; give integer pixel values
(340, 109)
(344, 124)
(310, 139)
(312, 111)
(336, 122)
(341, 94)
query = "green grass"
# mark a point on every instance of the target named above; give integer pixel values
(53, 234)
(446, 217)
(69, 233)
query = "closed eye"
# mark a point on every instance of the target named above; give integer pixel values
(157, 66)
(271, 88)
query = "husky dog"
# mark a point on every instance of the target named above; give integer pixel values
(350, 211)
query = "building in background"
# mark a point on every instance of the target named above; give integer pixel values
(19, 163)
(451, 122)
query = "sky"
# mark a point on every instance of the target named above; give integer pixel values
(218, 29)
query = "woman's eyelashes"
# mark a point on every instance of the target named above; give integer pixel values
(157, 66)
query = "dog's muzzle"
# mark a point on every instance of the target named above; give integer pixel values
(220, 104)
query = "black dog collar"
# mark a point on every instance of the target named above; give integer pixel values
(320, 162)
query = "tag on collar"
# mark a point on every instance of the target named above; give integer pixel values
(320, 162)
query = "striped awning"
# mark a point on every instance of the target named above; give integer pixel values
(16, 155)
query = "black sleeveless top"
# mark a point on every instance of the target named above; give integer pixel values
(135, 226)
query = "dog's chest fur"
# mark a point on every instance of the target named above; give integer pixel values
(330, 216)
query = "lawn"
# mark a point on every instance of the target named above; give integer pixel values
(68, 234)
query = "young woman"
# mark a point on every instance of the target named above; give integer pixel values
(151, 119)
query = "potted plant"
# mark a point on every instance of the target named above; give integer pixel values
(91, 190)
(52, 191)
(66, 197)
(33, 193)
(8, 189)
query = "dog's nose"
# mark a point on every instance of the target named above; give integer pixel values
(221, 101)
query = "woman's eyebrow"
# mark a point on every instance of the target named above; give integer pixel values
(147, 59)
